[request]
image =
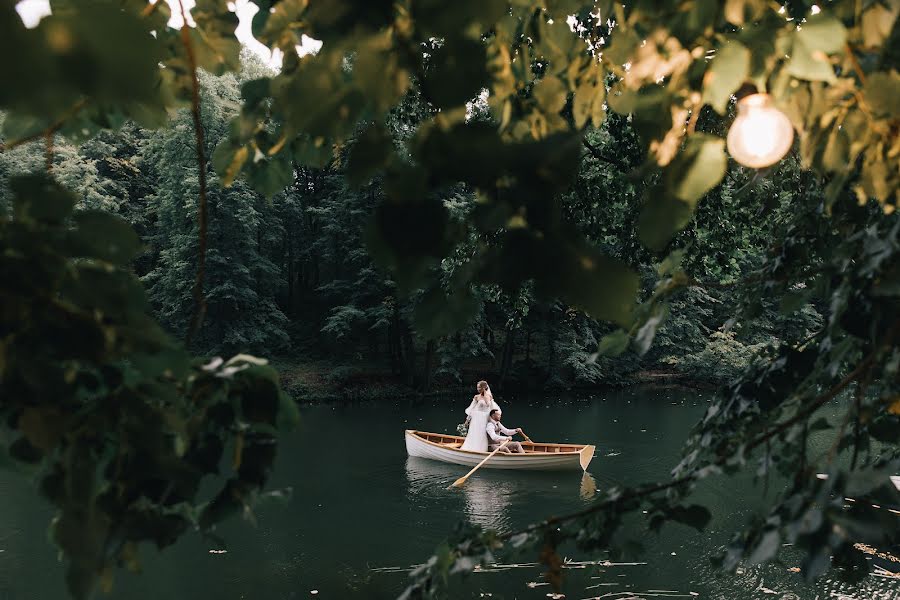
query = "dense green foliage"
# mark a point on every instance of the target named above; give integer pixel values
(292, 277)
(123, 424)
(523, 225)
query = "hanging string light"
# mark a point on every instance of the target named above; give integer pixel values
(761, 134)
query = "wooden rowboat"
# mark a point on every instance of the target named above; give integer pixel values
(537, 456)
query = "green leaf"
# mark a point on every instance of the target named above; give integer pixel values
(726, 73)
(672, 263)
(438, 314)
(643, 339)
(793, 301)
(380, 77)
(816, 562)
(583, 103)
(823, 32)
(271, 175)
(558, 43)
(614, 344)
(228, 160)
(550, 94)
(766, 549)
(442, 19)
(837, 150)
(820, 424)
(877, 21)
(316, 154)
(694, 515)
(698, 168)
(661, 217)
(105, 236)
(457, 73)
(695, 171)
(370, 153)
(813, 42)
(39, 198)
(255, 91)
(882, 93)
(740, 11)
(603, 287)
(216, 47)
(288, 413)
(623, 44)
(598, 109)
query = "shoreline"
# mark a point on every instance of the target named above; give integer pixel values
(321, 382)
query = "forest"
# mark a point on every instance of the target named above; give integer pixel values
(558, 196)
(290, 275)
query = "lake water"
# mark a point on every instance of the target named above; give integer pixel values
(363, 512)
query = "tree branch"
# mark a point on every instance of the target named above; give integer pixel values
(151, 8)
(856, 66)
(770, 433)
(49, 131)
(199, 300)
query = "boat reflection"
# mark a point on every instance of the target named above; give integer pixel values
(588, 488)
(487, 495)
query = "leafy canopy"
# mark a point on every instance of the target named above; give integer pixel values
(550, 69)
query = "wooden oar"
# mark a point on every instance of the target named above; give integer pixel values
(462, 479)
(527, 439)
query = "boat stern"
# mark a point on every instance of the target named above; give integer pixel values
(586, 454)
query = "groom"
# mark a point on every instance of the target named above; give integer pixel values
(494, 430)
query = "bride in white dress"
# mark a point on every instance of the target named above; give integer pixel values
(478, 412)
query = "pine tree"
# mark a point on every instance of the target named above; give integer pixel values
(241, 281)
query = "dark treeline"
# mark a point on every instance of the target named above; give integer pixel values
(292, 276)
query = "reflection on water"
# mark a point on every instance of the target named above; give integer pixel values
(588, 487)
(486, 497)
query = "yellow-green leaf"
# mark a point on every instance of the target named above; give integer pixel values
(877, 22)
(583, 102)
(699, 167)
(882, 92)
(726, 73)
(813, 42)
(550, 94)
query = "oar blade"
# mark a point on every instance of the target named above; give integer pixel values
(458, 482)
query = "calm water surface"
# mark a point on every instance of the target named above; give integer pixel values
(363, 512)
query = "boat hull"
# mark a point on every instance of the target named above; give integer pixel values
(557, 457)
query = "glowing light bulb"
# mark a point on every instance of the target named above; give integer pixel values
(761, 134)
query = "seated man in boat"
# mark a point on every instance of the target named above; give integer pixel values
(497, 434)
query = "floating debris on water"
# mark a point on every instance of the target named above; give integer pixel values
(218, 551)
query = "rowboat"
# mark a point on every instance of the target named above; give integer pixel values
(537, 456)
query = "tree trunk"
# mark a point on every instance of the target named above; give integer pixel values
(394, 341)
(551, 344)
(429, 358)
(506, 360)
(291, 275)
(409, 356)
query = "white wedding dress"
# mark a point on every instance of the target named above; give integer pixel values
(478, 411)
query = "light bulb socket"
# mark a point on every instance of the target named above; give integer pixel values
(746, 89)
